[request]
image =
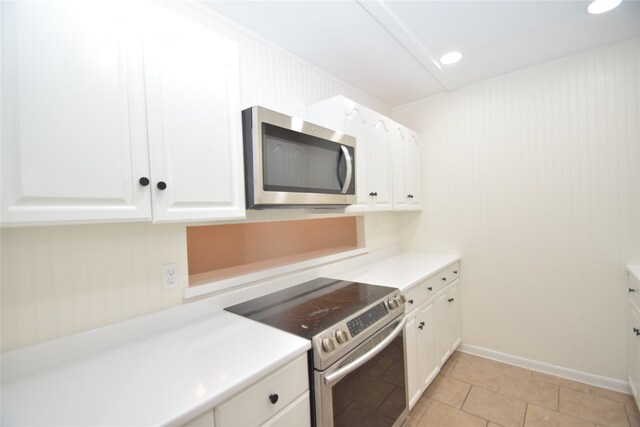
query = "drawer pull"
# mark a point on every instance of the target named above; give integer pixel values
(410, 301)
(455, 271)
(421, 325)
(450, 300)
(444, 279)
(632, 290)
(430, 288)
(273, 398)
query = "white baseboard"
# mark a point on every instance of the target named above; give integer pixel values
(547, 368)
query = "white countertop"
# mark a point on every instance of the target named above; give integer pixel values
(167, 378)
(634, 270)
(401, 271)
(168, 367)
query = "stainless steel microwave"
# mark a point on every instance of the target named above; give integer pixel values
(292, 163)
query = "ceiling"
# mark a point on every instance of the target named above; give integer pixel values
(389, 49)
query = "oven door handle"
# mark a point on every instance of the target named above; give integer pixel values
(336, 376)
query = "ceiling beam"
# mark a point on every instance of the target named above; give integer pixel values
(396, 29)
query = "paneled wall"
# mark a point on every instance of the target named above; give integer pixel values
(65, 279)
(534, 179)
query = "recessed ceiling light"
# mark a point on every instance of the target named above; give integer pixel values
(601, 6)
(450, 58)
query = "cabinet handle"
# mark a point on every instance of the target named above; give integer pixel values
(410, 196)
(273, 398)
(410, 301)
(430, 288)
(637, 331)
(444, 279)
(421, 326)
(632, 290)
(450, 300)
(455, 271)
(161, 185)
(144, 181)
(373, 193)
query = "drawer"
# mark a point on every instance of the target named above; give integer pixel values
(453, 272)
(253, 406)
(420, 293)
(633, 288)
(297, 414)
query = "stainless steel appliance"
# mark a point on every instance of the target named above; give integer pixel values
(293, 163)
(357, 364)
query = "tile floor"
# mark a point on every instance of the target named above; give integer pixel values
(472, 391)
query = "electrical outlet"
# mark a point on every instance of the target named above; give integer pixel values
(170, 276)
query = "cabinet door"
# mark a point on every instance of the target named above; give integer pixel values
(454, 316)
(192, 82)
(379, 165)
(443, 341)
(412, 175)
(427, 359)
(411, 359)
(633, 347)
(398, 140)
(357, 124)
(74, 142)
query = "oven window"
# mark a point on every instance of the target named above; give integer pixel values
(374, 394)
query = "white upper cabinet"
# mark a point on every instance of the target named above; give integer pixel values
(406, 168)
(373, 148)
(195, 140)
(74, 141)
(101, 103)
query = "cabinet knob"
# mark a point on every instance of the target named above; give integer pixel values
(144, 181)
(410, 301)
(430, 288)
(632, 290)
(455, 271)
(273, 398)
(444, 279)
(161, 185)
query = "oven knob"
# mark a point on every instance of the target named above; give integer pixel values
(328, 345)
(341, 336)
(392, 303)
(402, 299)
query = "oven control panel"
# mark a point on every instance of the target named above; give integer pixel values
(335, 342)
(366, 319)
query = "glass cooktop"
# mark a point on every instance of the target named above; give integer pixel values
(311, 307)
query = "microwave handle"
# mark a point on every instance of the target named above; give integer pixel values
(347, 180)
(336, 376)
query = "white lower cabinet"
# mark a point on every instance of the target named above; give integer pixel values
(420, 340)
(433, 329)
(279, 400)
(633, 340)
(447, 307)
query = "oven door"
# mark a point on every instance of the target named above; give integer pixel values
(368, 386)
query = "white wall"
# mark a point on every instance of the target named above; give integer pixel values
(534, 178)
(65, 279)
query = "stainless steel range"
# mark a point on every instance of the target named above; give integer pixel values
(357, 373)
